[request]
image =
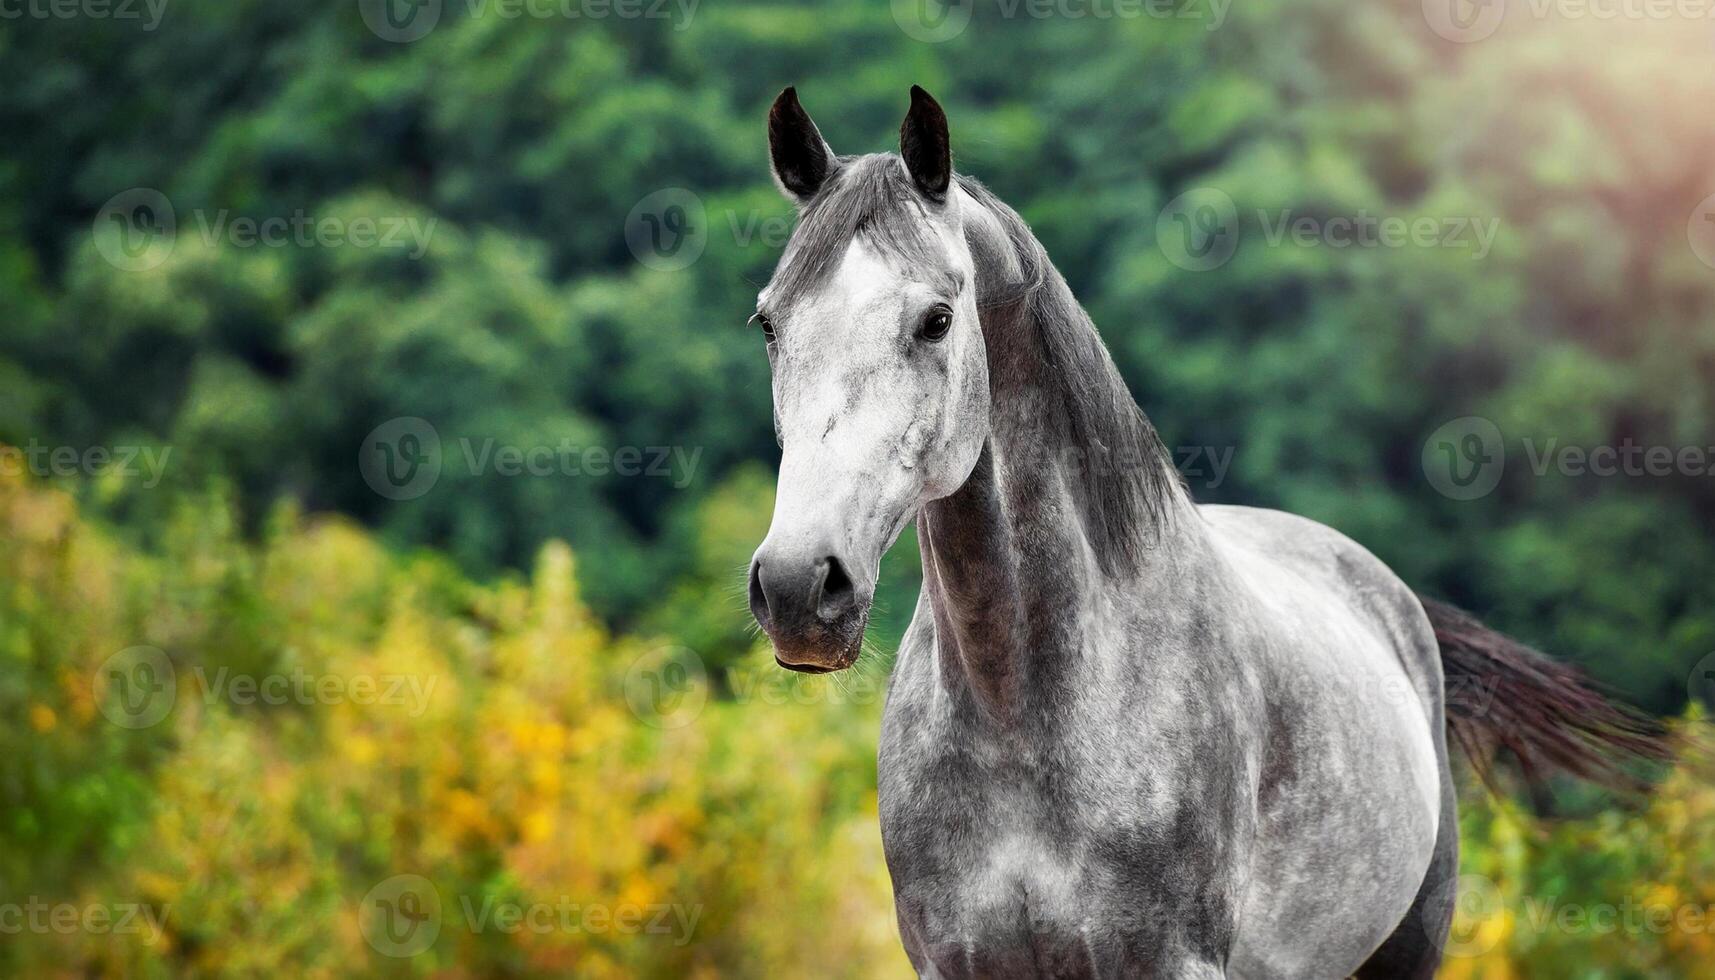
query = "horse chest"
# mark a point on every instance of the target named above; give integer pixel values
(1067, 856)
(1000, 871)
(1012, 905)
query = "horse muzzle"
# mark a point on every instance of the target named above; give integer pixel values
(811, 607)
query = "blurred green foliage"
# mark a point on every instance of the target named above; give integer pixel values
(522, 149)
(521, 144)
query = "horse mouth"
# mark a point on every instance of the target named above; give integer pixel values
(811, 661)
(806, 668)
(821, 647)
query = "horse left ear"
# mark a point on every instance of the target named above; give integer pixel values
(924, 145)
(800, 157)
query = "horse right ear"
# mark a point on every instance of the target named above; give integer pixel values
(800, 158)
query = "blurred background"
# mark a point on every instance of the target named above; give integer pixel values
(381, 441)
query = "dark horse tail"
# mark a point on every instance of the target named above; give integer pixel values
(1547, 714)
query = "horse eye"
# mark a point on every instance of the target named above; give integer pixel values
(767, 326)
(937, 323)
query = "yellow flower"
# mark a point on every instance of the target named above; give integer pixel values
(538, 825)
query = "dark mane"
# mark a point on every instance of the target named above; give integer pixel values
(1128, 483)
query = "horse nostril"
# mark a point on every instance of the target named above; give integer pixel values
(838, 596)
(759, 598)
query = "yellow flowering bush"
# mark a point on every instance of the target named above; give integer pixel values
(341, 716)
(1626, 892)
(310, 756)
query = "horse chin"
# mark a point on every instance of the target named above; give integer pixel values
(833, 648)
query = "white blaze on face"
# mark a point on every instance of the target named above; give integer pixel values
(841, 415)
(873, 419)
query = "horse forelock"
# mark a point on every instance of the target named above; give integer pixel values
(868, 199)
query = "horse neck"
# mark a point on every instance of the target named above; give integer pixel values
(1013, 568)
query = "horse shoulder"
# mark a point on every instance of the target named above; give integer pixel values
(1324, 572)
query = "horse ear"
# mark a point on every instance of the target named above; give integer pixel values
(924, 145)
(800, 158)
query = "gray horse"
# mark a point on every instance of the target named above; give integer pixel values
(1126, 736)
